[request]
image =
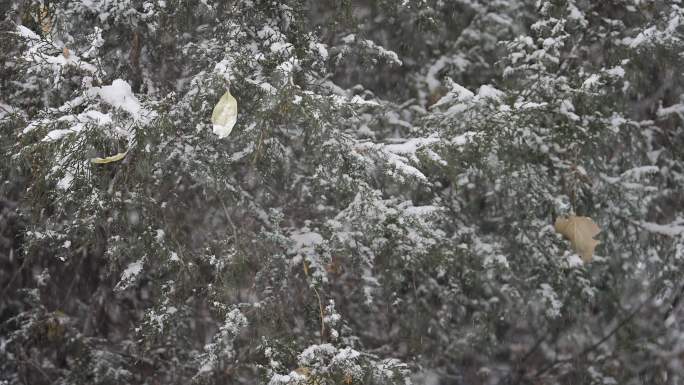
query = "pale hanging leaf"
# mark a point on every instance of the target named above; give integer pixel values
(224, 115)
(580, 231)
(109, 159)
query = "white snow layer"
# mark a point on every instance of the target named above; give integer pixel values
(120, 95)
(673, 229)
(130, 274)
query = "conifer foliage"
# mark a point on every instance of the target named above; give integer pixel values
(380, 211)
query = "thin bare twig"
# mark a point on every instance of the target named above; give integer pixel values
(598, 343)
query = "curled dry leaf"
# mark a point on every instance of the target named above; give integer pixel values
(580, 231)
(109, 159)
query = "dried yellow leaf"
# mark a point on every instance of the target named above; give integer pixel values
(303, 371)
(109, 159)
(44, 20)
(580, 231)
(306, 268)
(224, 115)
